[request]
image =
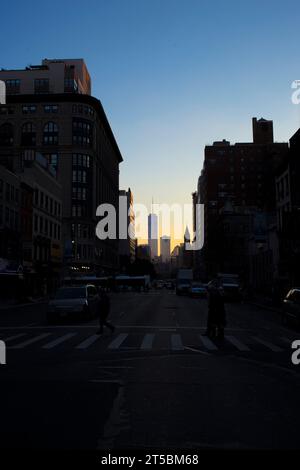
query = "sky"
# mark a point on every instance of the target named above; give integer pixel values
(172, 75)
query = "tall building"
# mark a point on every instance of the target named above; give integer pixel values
(165, 249)
(244, 174)
(49, 111)
(127, 247)
(288, 215)
(153, 235)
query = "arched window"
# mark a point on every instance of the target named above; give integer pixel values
(51, 133)
(6, 135)
(28, 137)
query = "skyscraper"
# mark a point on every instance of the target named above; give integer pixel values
(153, 235)
(165, 249)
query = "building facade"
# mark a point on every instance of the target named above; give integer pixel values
(127, 247)
(244, 174)
(68, 127)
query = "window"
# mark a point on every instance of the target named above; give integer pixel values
(28, 137)
(79, 176)
(78, 210)
(6, 135)
(51, 108)
(51, 133)
(71, 85)
(42, 199)
(52, 159)
(88, 111)
(79, 193)
(81, 160)
(28, 109)
(41, 85)
(36, 223)
(13, 86)
(6, 110)
(82, 132)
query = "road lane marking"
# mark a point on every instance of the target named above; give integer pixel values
(147, 341)
(116, 343)
(238, 344)
(58, 341)
(11, 338)
(268, 345)
(176, 343)
(208, 343)
(30, 341)
(87, 342)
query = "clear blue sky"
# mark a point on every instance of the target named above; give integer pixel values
(173, 75)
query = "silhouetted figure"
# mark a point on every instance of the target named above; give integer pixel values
(216, 318)
(103, 312)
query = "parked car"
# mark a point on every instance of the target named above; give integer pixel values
(291, 306)
(197, 290)
(81, 301)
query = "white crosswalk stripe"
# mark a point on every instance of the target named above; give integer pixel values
(268, 345)
(176, 343)
(172, 340)
(87, 342)
(116, 343)
(237, 343)
(30, 341)
(208, 343)
(147, 341)
(11, 338)
(58, 341)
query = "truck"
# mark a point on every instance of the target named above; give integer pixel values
(184, 281)
(231, 285)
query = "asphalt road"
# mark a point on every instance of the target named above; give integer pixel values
(156, 382)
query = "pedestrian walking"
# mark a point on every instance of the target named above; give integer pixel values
(216, 317)
(103, 313)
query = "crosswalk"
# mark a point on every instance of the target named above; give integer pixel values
(160, 340)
